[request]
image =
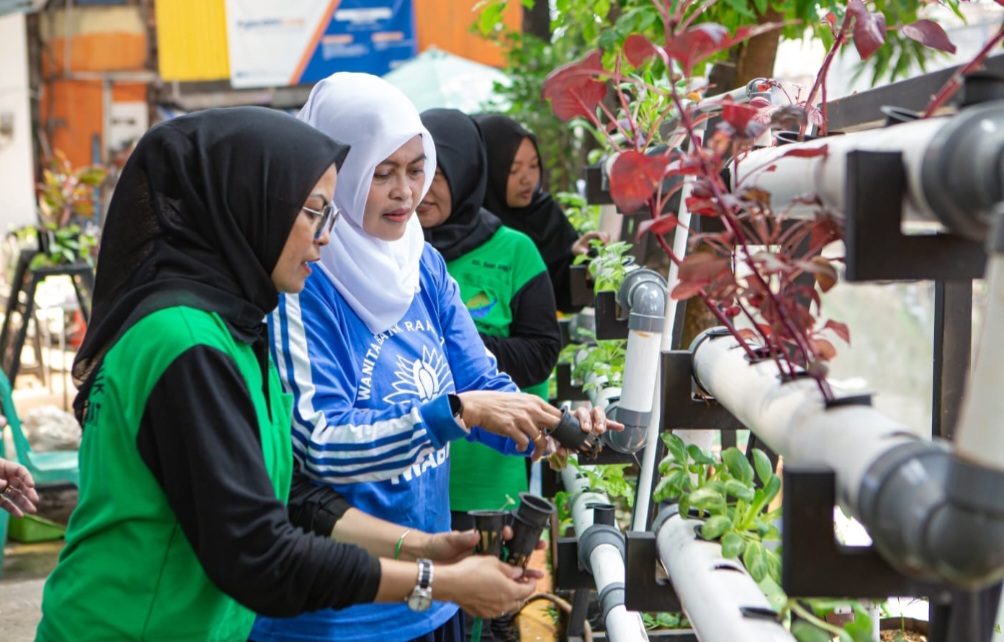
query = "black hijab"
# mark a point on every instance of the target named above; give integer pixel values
(460, 154)
(199, 217)
(542, 220)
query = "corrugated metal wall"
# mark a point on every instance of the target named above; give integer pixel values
(192, 40)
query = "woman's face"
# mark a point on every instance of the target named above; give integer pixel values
(435, 208)
(395, 190)
(524, 175)
(302, 248)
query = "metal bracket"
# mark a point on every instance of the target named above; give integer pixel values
(580, 285)
(815, 564)
(644, 589)
(567, 572)
(876, 248)
(567, 391)
(609, 324)
(680, 409)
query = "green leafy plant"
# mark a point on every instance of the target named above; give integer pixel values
(610, 480)
(66, 198)
(603, 360)
(735, 511)
(583, 216)
(66, 193)
(66, 245)
(725, 492)
(653, 621)
(609, 267)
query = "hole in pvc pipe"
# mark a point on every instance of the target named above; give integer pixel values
(788, 378)
(725, 566)
(850, 400)
(758, 612)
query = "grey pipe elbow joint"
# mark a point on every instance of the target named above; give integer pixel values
(935, 517)
(643, 295)
(966, 537)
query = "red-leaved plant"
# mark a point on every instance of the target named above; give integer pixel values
(750, 268)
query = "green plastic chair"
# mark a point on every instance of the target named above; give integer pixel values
(52, 468)
(4, 517)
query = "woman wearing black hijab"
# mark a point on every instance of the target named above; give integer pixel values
(504, 285)
(515, 195)
(181, 531)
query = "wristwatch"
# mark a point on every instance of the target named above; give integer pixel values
(420, 598)
(456, 406)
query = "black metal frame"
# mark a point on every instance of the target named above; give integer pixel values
(21, 304)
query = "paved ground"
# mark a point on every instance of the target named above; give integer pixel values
(25, 566)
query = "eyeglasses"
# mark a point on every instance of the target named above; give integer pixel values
(325, 219)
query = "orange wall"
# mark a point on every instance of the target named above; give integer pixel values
(76, 106)
(103, 40)
(446, 24)
(98, 52)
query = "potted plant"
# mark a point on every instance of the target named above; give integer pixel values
(66, 206)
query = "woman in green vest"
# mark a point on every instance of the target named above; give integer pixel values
(505, 286)
(181, 531)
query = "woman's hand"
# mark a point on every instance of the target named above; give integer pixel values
(583, 245)
(516, 415)
(484, 586)
(595, 421)
(449, 547)
(452, 546)
(17, 489)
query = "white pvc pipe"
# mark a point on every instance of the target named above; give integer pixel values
(608, 568)
(605, 561)
(979, 437)
(579, 495)
(713, 589)
(791, 417)
(643, 357)
(703, 438)
(825, 176)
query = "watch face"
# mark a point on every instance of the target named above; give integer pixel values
(420, 599)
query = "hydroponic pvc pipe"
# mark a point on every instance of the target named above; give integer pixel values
(702, 438)
(601, 553)
(954, 169)
(721, 600)
(643, 295)
(934, 516)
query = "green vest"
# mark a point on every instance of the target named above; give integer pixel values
(489, 277)
(127, 571)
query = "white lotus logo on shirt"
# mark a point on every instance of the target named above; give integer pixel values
(422, 378)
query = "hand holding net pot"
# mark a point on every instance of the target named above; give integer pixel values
(581, 431)
(528, 522)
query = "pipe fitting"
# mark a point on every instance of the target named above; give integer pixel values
(934, 516)
(611, 597)
(595, 536)
(643, 294)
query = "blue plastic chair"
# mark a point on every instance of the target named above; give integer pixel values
(47, 469)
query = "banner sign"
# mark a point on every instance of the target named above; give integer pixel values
(293, 42)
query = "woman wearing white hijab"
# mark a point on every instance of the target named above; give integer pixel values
(383, 359)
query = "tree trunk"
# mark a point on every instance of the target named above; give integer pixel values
(537, 20)
(753, 59)
(756, 57)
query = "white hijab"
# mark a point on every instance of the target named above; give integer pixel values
(378, 278)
